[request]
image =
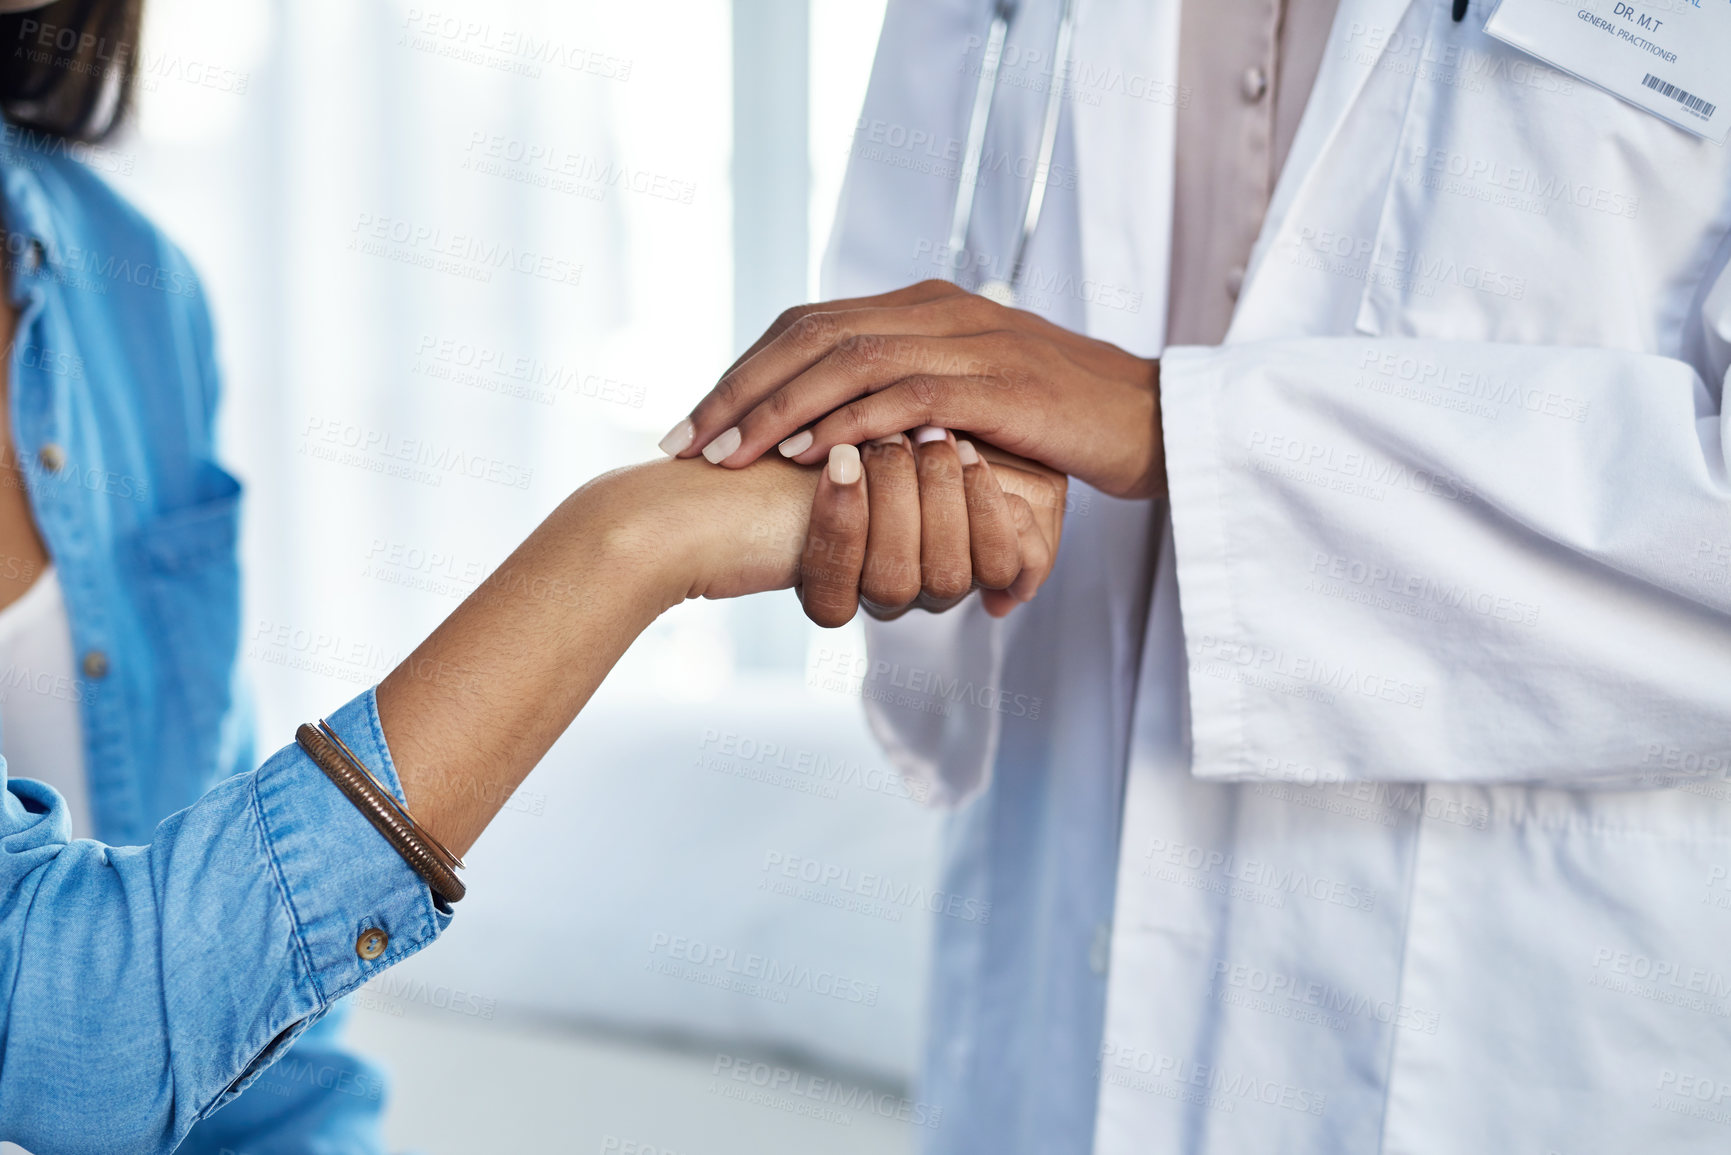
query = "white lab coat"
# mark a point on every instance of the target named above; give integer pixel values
(1425, 726)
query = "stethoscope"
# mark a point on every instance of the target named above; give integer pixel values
(1003, 13)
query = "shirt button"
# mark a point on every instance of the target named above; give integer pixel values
(96, 665)
(1255, 84)
(51, 457)
(372, 943)
(1235, 281)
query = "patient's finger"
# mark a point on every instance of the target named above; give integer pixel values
(890, 580)
(946, 566)
(992, 543)
(829, 568)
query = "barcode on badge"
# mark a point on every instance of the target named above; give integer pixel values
(1688, 100)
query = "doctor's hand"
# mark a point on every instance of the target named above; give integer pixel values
(918, 523)
(846, 372)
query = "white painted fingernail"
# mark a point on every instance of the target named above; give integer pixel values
(844, 466)
(927, 433)
(722, 447)
(797, 444)
(892, 439)
(679, 438)
(966, 451)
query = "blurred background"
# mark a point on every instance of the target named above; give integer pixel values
(513, 241)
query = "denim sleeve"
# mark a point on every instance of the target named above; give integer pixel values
(319, 1097)
(149, 985)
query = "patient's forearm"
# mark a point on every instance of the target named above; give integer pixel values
(477, 705)
(471, 711)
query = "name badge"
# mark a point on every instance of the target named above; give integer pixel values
(1670, 57)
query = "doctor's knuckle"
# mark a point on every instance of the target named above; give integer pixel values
(947, 578)
(815, 331)
(849, 423)
(789, 318)
(892, 582)
(729, 392)
(975, 311)
(935, 287)
(849, 357)
(924, 391)
(889, 471)
(777, 407)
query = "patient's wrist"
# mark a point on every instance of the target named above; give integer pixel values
(628, 526)
(683, 528)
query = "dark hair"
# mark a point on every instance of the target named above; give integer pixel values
(67, 68)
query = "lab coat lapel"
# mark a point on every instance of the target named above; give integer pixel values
(1348, 62)
(1123, 109)
(1123, 102)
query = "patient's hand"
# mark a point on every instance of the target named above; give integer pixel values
(904, 523)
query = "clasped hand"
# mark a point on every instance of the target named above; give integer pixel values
(917, 517)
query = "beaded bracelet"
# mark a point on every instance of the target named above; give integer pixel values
(425, 854)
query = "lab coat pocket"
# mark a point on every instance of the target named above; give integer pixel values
(189, 580)
(1527, 206)
(1577, 952)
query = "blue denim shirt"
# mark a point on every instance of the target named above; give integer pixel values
(154, 975)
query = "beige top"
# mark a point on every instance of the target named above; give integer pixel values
(41, 735)
(1245, 71)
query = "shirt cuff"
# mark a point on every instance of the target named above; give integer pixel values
(339, 876)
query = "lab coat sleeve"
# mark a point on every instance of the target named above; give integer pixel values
(148, 985)
(1467, 562)
(944, 752)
